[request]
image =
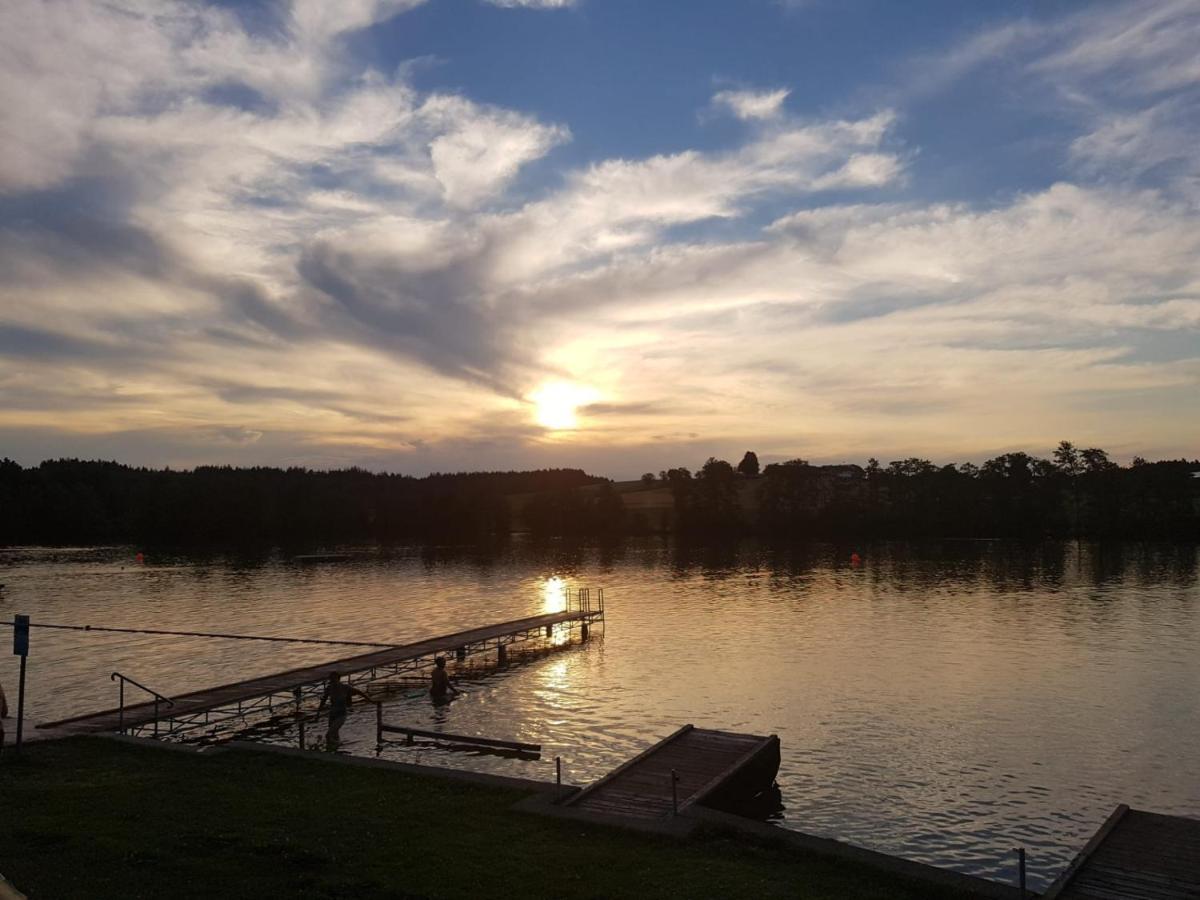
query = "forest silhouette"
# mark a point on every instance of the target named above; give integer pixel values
(1076, 493)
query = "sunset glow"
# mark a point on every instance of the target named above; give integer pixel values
(279, 233)
(556, 404)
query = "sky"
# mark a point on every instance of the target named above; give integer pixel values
(624, 235)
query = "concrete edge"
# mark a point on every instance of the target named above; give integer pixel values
(828, 847)
(548, 805)
(483, 779)
(169, 746)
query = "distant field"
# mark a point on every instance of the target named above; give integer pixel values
(654, 502)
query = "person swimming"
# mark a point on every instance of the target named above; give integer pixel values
(440, 688)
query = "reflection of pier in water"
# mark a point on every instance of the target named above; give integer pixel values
(200, 713)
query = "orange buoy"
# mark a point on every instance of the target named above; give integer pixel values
(855, 559)
(140, 558)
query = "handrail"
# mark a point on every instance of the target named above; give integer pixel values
(121, 698)
(115, 675)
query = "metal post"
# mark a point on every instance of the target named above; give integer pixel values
(156, 715)
(121, 705)
(1020, 851)
(21, 705)
(558, 770)
(300, 725)
(674, 793)
(379, 723)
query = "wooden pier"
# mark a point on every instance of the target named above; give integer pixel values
(285, 692)
(1136, 855)
(692, 766)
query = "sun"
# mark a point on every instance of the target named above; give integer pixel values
(556, 404)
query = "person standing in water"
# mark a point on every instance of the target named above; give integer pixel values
(3, 714)
(338, 696)
(440, 688)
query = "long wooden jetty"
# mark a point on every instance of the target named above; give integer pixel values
(1134, 854)
(692, 766)
(286, 691)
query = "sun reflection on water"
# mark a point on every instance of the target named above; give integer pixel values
(554, 594)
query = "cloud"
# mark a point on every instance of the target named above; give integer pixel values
(752, 104)
(621, 205)
(481, 150)
(1126, 74)
(533, 4)
(239, 243)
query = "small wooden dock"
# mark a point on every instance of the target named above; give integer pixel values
(692, 766)
(283, 692)
(1135, 855)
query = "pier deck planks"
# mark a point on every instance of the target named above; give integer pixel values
(250, 689)
(1138, 856)
(704, 760)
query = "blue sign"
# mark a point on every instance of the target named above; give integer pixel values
(21, 635)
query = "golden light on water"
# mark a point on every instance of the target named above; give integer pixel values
(554, 595)
(556, 404)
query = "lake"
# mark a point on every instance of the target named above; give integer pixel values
(945, 702)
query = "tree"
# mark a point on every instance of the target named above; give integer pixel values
(648, 479)
(749, 464)
(1096, 460)
(716, 470)
(911, 466)
(1066, 457)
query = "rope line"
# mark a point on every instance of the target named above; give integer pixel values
(203, 634)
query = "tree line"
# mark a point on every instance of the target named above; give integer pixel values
(76, 501)
(1075, 493)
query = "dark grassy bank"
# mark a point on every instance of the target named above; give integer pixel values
(94, 818)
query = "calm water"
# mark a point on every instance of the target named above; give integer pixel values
(944, 702)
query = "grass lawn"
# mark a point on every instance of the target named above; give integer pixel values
(95, 818)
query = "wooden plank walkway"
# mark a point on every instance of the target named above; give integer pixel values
(707, 763)
(282, 682)
(1135, 856)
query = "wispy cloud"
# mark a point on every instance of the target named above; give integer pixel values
(752, 104)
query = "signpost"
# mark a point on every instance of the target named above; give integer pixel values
(21, 649)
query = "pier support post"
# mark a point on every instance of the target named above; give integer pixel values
(1020, 851)
(558, 770)
(502, 655)
(460, 654)
(549, 630)
(583, 631)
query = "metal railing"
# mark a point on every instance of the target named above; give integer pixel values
(121, 679)
(583, 600)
